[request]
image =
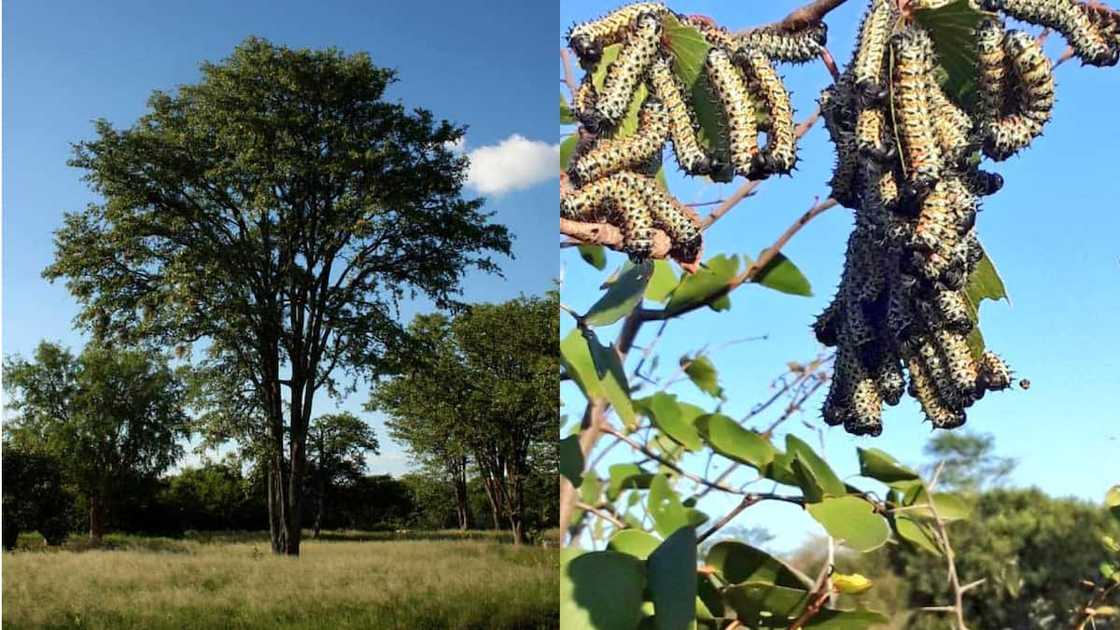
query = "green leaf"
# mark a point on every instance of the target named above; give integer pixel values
(663, 282)
(852, 520)
(629, 123)
(699, 287)
(594, 255)
(601, 589)
(781, 468)
(576, 358)
(731, 440)
(877, 464)
(566, 117)
(737, 562)
(709, 600)
(624, 293)
(951, 28)
(984, 283)
(950, 507)
(1112, 500)
(752, 598)
(665, 507)
(627, 477)
(830, 484)
(567, 148)
(782, 275)
(807, 480)
(828, 619)
(916, 533)
(703, 374)
(634, 542)
(666, 414)
(571, 459)
(671, 580)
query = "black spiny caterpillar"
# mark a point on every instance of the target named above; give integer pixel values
(628, 69)
(682, 124)
(629, 153)
(780, 152)
(913, 59)
(1069, 18)
(590, 38)
(731, 92)
(798, 46)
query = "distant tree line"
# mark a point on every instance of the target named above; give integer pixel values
(95, 441)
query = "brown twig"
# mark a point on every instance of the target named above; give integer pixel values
(601, 514)
(806, 15)
(668, 464)
(610, 236)
(747, 501)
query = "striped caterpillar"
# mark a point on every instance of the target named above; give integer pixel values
(731, 93)
(780, 152)
(1028, 91)
(628, 153)
(637, 205)
(590, 38)
(628, 69)
(913, 54)
(682, 126)
(870, 60)
(1090, 43)
(796, 46)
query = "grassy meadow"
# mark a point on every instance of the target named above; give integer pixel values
(347, 580)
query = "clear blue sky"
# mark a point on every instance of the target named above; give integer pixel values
(65, 63)
(1052, 232)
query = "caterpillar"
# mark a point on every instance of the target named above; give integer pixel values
(913, 53)
(866, 416)
(797, 46)
(682, 228)
(934, 231)
(954, 310)
(583, 101)
(612, 198)
(590, 38)
(991, 70)
(870, 123)
(980, 182)
(780, 152)
(628, 69)
(682, 126)
(994, 373)
(826, 324)
(1033, 98)
(727, 82)
(611, 156)
(870, 58)
(935, 365)
(923, 389)
(889, 379)
(835, 105)
(960, 364)
(1068, 18)
(951, 125)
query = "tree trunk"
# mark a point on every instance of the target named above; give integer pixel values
(321, 500)
(96, 519)
(462, 496)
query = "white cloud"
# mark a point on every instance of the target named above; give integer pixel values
(515, 163)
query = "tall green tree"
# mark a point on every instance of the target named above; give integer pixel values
(510, 350)
(426, 406)
(338, 444)
(109, 416)
(967, 461)
(278, 211)
(486, 388)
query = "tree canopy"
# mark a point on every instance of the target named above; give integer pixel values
(278, 211)
(108, 416)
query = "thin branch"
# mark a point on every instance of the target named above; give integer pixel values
(601, 514)
(610, 236)
(668, 464)
(747, 501)
(750, 273)
(807, 15)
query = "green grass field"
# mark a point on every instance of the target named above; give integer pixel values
(352, 580)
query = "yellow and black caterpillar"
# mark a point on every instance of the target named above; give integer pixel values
(1091, 43)
(796, 46)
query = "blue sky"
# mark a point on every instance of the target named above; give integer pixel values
(1051, 232)
(66, 63)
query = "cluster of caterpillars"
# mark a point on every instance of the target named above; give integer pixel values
(612, 175)
(907, 158)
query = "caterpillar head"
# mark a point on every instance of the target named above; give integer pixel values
(588, 50)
